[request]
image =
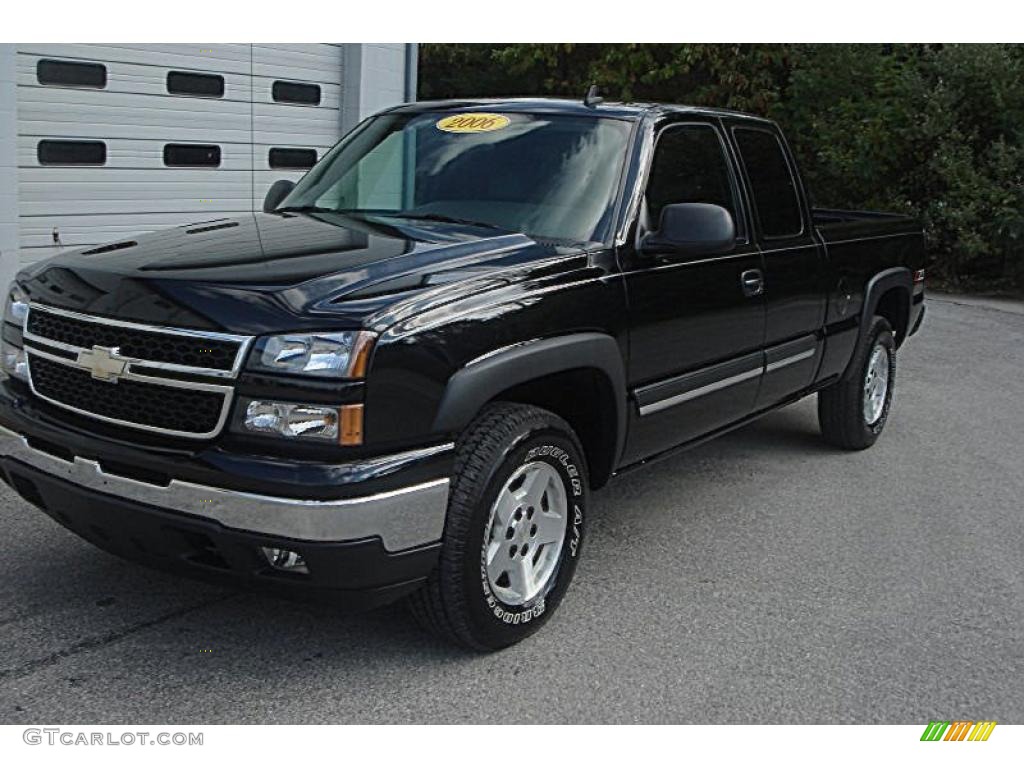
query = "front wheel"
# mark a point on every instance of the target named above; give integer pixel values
(514, 529)
(853, 411)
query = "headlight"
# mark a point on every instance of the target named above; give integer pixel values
(12, 356)
(328, 355)
(17, 306)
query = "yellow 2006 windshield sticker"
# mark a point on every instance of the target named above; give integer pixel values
(472, 122)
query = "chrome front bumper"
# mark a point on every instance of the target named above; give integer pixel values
(402, 518)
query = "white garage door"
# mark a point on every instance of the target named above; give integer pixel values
(115, 140)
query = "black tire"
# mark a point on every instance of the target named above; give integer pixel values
(457, 602)
(841, 406)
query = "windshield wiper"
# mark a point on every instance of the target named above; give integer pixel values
(441, 217)
(304, 209)
(372, 214)
(352, 213)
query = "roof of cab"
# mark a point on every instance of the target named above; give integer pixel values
(620, 110)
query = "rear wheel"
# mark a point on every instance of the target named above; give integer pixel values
(853, 411)
(513, 532)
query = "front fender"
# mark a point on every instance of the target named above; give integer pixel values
(481, 380)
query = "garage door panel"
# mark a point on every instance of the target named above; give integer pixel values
(129, 206)
(229, 185)
(315, 63)
(136, 79)
(293, 136)
(135, 117)
(263, 93)
(122, 113)
(122, 154)
(277, 111)
(209, 57)
(111, 132)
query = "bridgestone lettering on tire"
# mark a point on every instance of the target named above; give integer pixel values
(514, 531)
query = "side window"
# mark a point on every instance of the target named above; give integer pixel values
(771, 181)
(690, 166)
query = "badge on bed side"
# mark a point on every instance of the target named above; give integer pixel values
(472, 122)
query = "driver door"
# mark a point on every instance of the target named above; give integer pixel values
(697, 323)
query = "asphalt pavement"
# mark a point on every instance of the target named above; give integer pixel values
(763, 577)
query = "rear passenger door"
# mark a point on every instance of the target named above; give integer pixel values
(794, 288)
(696, 332)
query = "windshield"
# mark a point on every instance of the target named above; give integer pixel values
(550, 176)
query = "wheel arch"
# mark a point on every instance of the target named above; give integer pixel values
(579, 376)
(888, 294)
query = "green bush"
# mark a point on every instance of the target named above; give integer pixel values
(936, 131)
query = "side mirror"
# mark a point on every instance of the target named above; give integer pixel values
(278, 191)
(692, 229)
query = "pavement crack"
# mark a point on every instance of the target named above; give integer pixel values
(101, 641)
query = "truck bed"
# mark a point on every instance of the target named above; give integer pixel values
(837, 226)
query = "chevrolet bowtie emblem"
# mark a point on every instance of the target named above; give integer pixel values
(103, 362)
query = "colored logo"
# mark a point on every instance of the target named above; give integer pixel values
(472, 122)
(958, 730)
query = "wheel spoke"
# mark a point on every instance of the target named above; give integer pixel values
(498, 561)
(522, 578)
(550, 527)
(505, 507)
(536, 483)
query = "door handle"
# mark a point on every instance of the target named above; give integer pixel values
(753, 282)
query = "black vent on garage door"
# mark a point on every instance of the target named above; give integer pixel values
(287, 157)
(195, 84)
(192, 155)
(80, 74)
(54, 152)
(295, 93)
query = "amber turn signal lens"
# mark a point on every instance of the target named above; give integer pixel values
(361, 349)
(351, 432)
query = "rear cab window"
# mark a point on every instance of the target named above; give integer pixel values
(772, 183)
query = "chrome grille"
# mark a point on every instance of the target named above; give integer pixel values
(173, 409)
(150, 378)
(189, 351)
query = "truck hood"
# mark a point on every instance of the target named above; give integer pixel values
(266, 273)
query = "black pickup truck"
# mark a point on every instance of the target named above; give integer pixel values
(404, 378)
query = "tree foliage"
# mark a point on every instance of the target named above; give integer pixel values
(936, 131)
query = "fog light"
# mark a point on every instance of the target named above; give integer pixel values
(285, 560)
(15, 364)
(292, 419)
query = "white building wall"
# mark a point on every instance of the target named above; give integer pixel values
(8, 168)
(378, 75)
(136, 117)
